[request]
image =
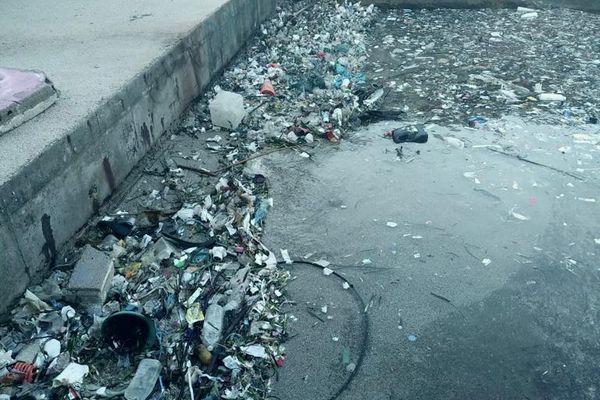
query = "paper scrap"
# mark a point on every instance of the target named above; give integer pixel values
(71, 375)
(194, 314)
(255, 350)
(286, 256)
(323, 263)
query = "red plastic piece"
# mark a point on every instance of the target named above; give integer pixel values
(267, 88)
(330, 134)
(23, 372)
(299, 130)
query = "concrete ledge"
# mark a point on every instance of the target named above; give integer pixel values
(46, 200)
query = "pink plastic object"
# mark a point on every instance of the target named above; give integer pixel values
(23, 95)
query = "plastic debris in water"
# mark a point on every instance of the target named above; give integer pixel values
(525, 9)
(455, 142)
(551, 97)
(533, 201)
(392, 224)
(529, 15)
(518, 216)
(486, 261)
(286, 256)
(471, 175)
(412, 338)
(414, 134)
(346, 355)
(476, 122)
(373, 98)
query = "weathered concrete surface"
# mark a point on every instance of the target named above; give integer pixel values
(585, 5)
(125, 71)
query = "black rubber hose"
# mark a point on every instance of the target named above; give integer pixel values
(364, 343)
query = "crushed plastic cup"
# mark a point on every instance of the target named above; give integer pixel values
(267, 88)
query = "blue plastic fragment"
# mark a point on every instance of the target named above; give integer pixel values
(261, 211)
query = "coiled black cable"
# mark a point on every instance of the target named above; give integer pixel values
(364, 342)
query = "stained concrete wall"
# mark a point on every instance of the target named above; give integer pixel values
(585, 5)
(55, 194)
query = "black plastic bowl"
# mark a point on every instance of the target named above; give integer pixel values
(128, 332)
